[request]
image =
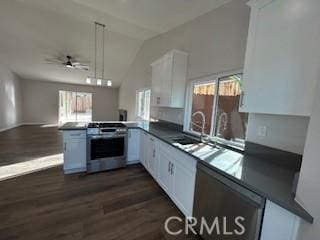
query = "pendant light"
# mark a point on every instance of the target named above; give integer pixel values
(99, 81)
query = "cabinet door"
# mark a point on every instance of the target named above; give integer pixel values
(156, 83)
(151, 156)
(279, 223)
(282, 63)
(144, 149)
(166, 80)
(75, 155)
(133, 146)
(165, 178)
(183, 187)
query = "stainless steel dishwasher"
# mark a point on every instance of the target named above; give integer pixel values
(220, 202)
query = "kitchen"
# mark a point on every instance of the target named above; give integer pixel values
(268, 160)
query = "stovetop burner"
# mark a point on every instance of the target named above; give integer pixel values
(106, 125)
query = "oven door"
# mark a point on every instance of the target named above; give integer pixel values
(105, 152)
(102, 148)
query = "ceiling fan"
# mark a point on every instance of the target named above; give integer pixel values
(68, 62)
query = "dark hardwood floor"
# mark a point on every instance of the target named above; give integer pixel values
(26, 143)
(120, 204)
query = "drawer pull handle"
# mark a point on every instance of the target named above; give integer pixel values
(241, 99)
(172, 169)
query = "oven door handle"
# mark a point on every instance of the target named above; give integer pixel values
(107, 137)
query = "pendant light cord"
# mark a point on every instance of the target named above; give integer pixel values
(95, 50)
(103, 52)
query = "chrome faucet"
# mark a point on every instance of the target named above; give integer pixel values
(198, 125)
(222, 122)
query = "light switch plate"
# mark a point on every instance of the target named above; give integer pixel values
(262, 131)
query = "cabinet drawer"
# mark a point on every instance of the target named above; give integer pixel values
(183, 158)
(78, 134)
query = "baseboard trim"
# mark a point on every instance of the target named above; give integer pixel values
(75, 170)
(31, 124)
(133, 162)
(8, 128)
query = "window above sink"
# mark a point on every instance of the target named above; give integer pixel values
(213, 109)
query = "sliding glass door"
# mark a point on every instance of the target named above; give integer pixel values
(75, 106)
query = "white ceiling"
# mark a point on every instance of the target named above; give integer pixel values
(156, 15)
(32, 30)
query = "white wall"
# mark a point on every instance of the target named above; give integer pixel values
(283, 132)
(40, 101)
(308, 188)
(10, 101)
(216, 42)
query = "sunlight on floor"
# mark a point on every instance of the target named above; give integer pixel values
(18, 169)
(49, 125)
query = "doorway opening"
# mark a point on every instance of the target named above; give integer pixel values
(75, 107)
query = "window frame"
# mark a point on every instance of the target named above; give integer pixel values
(188, 111)
(137, 104)
(213, 78)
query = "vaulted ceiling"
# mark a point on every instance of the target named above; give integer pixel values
(33, 30)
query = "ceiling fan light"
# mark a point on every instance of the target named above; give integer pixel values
(99, 82)
(69, 65)
(88, 80)
(109, 83)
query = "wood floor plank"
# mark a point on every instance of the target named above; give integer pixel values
(124, 204)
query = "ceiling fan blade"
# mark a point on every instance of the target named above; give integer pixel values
(77, 62)
(51, 60)
(81, 67)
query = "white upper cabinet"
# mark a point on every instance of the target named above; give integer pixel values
(282, 59)
(169, 75)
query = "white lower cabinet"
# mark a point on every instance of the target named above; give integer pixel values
(133, 146)
(165, 178)
(177, 175)
(148, 155)
(151, 156)
(74, 144)
(174, 171)
(279, 223)
(143, 149)
(183, 187)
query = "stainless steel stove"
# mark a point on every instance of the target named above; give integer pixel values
(107, 146)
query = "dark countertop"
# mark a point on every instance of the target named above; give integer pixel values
(269, 180)
(72, 126)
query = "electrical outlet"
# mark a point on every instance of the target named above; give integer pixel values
(262, 131)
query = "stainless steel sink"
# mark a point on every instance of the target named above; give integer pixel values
(185, 140)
